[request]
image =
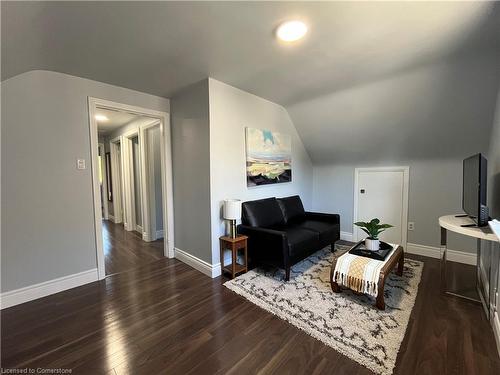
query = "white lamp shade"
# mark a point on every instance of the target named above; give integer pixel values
(232, 209)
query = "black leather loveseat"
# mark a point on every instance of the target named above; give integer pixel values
(281, 233)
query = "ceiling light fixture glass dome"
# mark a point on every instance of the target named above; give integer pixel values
(291, 31)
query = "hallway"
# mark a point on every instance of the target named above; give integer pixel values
(124, 250)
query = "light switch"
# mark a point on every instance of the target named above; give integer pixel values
(80, 164)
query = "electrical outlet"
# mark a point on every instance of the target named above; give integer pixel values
(80, 164)
(411, 225)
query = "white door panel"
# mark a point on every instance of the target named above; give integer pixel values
(381, 194)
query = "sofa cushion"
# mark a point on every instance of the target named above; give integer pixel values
(264, 213)
(327, 232)
(300, 240)
(292, 208)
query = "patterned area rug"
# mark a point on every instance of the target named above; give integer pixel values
(347, 322)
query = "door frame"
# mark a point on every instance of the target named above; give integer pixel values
(128, 180)
(406, 187)
(104, 172)
(167, 185)
(147, 177)
(116, 177)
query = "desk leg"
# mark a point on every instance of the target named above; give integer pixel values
(443, 259)
(484, 296)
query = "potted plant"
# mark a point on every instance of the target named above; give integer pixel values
(372, 228)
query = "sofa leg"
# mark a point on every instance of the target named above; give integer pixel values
(332, 248)
(287, 273)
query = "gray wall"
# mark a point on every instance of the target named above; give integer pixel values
(429, 118)
(231, 111)
(494, 196)
(494, 165)
(435, 189)
(191, 170)
(47, 205)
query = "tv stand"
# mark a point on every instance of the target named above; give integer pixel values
(461, 224)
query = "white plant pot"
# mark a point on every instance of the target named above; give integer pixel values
(372, 244)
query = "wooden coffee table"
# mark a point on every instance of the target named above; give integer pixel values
(398, 257)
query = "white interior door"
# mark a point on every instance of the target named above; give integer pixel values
(383, 193)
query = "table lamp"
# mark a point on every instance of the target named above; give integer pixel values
(232, 212)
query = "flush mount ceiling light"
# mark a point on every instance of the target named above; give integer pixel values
(101, 118)
(291, 31)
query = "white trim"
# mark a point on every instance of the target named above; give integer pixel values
(496, 330)
(346, 236)
(139, 229)
(166, 167)
(96, 192)
(111, 218)
(406, 186)
(429, 251)
(116, 179)
(148, 181)
(32, 292)
(127, 154)
(435, 252)
(198, 264)
(104, 186)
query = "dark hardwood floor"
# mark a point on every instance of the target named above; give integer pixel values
(126, 250)
(166, 318)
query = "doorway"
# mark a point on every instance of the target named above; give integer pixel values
(134, 169)
(382, 192)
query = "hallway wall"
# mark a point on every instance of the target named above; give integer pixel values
(50, 228)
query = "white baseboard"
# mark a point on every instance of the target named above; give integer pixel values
(346, 236)
(159, 234)
(198, 264)
(496, 330)
(138, 228)
(428, 251)
(32, 292)
(111, 218)
(435, 252)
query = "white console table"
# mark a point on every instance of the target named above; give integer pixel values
(454, 223)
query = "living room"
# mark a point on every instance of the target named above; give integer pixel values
(273, 149)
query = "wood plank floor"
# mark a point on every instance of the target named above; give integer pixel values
(167, 318)
(126, 250)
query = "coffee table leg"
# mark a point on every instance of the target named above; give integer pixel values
(334, 285)
(379, 302)
(401, 264)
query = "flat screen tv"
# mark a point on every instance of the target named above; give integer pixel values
(474, 189)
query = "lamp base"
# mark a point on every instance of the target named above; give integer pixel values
(233, 229)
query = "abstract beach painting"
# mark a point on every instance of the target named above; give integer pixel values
(269, 157)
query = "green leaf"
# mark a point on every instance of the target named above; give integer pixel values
(361, 224)
(373, 228)
(385, 226)
(364, 230)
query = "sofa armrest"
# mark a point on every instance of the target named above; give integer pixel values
(330, 218)
(266, 244)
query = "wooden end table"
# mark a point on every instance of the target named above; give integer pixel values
(233, 244)
(398, 257)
